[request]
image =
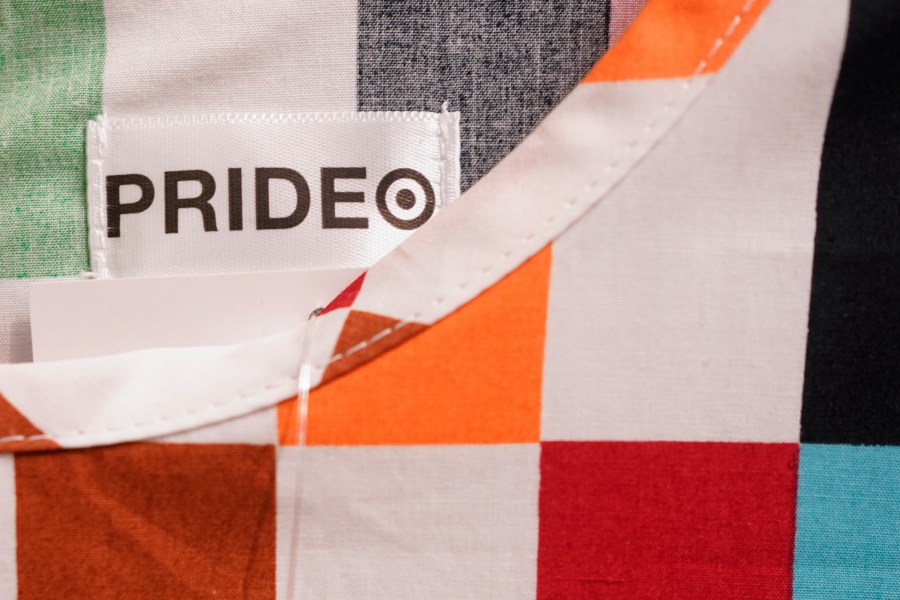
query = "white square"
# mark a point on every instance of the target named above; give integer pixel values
(8, 569)
(410, 522)
(679, 304)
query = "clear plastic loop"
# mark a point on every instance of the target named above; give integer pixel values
(304, 383)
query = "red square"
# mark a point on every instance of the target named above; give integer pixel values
(666, 520)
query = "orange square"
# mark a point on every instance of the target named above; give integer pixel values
(678, 39)
(473, 377)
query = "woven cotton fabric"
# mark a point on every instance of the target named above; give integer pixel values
(650, 353)
(50, 84)
(503, 66)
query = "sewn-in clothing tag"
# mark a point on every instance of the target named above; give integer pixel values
(224, 193)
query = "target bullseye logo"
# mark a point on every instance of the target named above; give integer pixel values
(405, 198)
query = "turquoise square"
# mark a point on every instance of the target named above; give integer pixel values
(847, 542)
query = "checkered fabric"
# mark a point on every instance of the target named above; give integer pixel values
(650, 353)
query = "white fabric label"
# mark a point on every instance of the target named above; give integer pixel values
(230, 193)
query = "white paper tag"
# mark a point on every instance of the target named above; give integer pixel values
(82, 318)
(232, 193)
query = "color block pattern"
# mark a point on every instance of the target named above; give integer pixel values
(848, 504)
(666, 520)
(678, 39)
(504, 66)
(16, 429)
(852, 379)
(410, 522)
(441, 393)
(586, 380)
(848, 522)
(163, 521)
(662, 321)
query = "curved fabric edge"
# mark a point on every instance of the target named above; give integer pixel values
(581, 151)
(144, 394)
(566, 166)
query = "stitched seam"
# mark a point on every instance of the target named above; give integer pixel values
(252, 118)
(448, 127)
(587, 190)
(209, 407)
(442, 158)
(363, 345)
(97, 197)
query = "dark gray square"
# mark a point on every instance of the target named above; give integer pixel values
(503, 65)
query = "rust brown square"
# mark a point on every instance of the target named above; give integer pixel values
(161, 521)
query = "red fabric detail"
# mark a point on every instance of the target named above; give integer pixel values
(346, 298)
(666, 520)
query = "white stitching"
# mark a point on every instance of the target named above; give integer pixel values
(97, 148)
(211, 406)
(588, 188)
(444, 200)
(270, 118)
(448, 126)
(393, 329)
(362, 345)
